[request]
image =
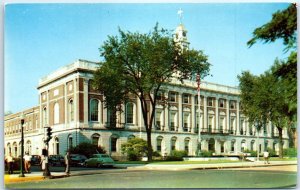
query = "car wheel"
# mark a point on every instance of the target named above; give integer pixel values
(98, 165)
(85, 164)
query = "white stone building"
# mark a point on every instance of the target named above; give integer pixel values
(75, 111)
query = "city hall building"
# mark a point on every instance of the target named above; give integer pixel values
(76, 113)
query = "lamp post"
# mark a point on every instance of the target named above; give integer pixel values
(22, 146)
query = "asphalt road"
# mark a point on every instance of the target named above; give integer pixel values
(263, 177)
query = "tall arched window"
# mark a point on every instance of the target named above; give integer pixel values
(15, 150)
(70, 141)
(113, 143)
(129, 112)
(71, 110)
(94, 105)
(243, 145)
(56, 113)
(158, 143)
(45, 116)
(173, 143)
(95, 139)
(56, 145)
(187, 145)
(28, 147)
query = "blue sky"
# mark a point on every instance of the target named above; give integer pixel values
(40, 38)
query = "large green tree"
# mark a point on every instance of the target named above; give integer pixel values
(140, 64)
(283, 25)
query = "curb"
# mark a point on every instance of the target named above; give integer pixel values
(16, 179)
(11, 179)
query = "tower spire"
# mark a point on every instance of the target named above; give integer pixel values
(180, 13)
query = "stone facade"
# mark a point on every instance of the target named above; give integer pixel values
(67, 104)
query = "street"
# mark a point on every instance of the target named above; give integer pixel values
(261, 177)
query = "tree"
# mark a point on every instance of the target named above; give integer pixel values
(135, 148)
(283, 25)
(140, 65)
(263, 99)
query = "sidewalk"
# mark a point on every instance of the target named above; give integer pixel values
(37, 176)
(210, 166)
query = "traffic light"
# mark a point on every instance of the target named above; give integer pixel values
(49, 134)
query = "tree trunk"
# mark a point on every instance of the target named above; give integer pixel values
(113, 118)
(280, 142)
(148, 126)
(150, 150)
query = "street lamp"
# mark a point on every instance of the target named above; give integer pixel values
(22, 146)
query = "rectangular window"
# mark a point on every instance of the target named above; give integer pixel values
(160, 96)
(185, 99)
(210, 102)
(113, 144)
(172, 97)
(221, 103)
(95, 141)
(232, 105)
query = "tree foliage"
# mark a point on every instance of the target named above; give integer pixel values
(281, 80)
(134, 148)
(139, 64)
(283, 25)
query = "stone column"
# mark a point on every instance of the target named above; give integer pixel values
(205, 113)
(48, 110)
(76, 107)
(66, 104)
(238, 118)
(41, 113)
(166, 114)
(86, 103)
(227, 115)
(180, 127)
(216, 127)
(193, 124)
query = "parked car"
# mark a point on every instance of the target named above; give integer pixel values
(77, 159)
(99, 160)
(56, 160)
(35, 160)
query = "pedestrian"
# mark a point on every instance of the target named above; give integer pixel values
(67, 163)
(9, 159)
(43, 162)
(266, 157)
(27, 159)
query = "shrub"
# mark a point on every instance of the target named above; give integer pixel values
(205, 153)
(156, 154)
(176, 155)
(290, 152)
(87, 149)
(272, 152)
(135, 148)
(253, 153)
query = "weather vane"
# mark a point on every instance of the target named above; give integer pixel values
(180, 13)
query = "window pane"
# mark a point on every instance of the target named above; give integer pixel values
(129, 118)
(94, 110)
